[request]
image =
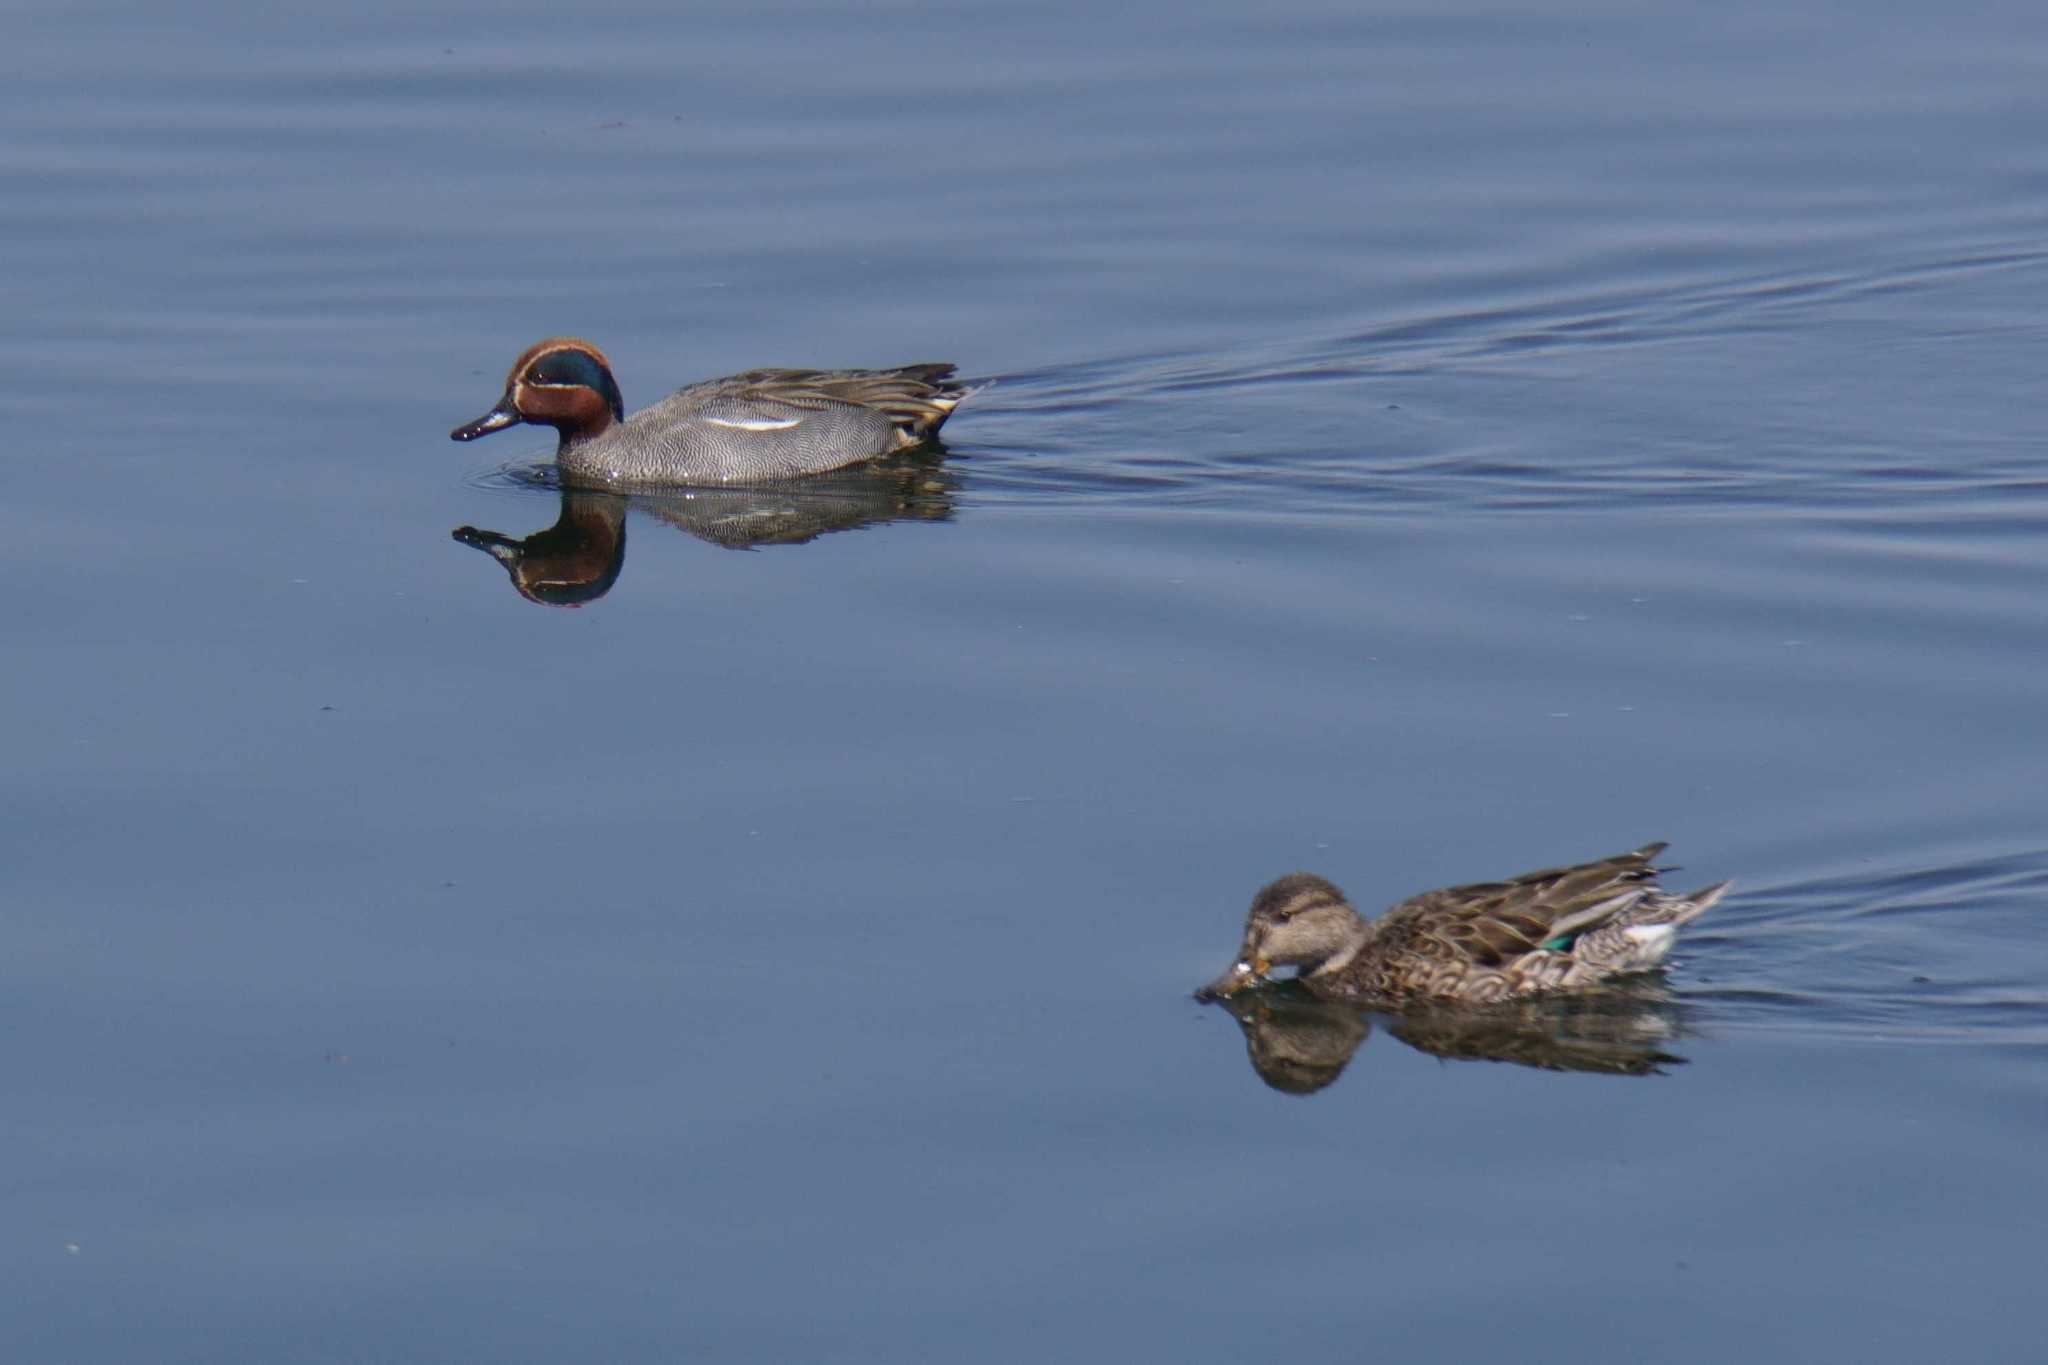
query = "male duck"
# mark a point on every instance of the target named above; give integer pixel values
(1561, 929)
(744, 428)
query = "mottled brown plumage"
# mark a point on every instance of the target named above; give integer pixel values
(1560, 929)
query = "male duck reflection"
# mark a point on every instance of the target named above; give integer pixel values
(578, 559)
(1561, 929)
(744, 428)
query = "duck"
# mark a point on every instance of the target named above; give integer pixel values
(752, 427)
(1561, 929)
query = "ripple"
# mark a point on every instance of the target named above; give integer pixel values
(1644, 396)
(1912, 952)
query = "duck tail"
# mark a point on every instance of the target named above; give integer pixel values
(925, 397)
(1641, 937)
(1677, 910)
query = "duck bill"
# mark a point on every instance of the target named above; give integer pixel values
(502, 548)
(1243, 972)
(498, 418)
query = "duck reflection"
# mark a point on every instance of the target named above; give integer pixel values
(578, 559)
(572, 562)
(1299, 1044)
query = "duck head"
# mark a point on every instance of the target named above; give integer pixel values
(562, 382)
(1298, 921)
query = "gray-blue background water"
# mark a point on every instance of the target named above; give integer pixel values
(1429, 443)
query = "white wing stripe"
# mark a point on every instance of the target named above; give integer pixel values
(755, 423)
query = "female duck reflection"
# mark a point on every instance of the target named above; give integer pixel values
(1298, 1044)
(578, 558)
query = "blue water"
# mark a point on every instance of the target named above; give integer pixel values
(1427, 444)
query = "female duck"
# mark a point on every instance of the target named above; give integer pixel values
(1561, 929)
(745, 428)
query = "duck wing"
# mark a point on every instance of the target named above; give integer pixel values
(917, 396)
(1493, 923)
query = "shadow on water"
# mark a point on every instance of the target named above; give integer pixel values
(1299, 1044)
(578, 559)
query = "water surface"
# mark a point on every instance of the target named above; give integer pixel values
(1428, 444)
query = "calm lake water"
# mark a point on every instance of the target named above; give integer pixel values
(1429, 443)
